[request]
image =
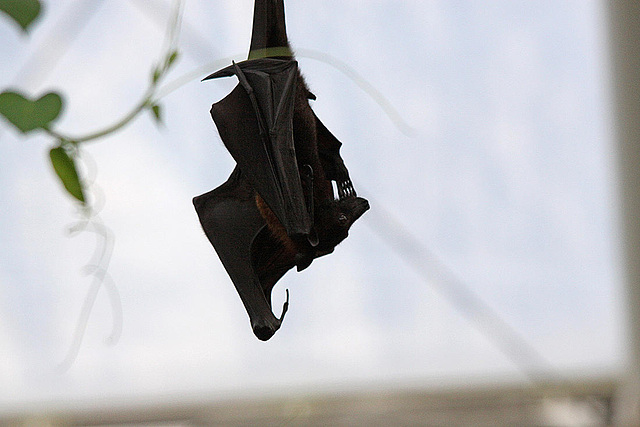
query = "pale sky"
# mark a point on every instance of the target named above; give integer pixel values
(507, 183)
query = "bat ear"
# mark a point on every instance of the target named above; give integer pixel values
(269, 34)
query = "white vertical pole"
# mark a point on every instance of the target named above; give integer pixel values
(624, 21)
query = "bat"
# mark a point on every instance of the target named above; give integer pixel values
(278, 209)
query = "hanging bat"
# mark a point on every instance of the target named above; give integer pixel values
(278, 209)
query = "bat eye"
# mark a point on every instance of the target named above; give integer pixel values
(342, 219)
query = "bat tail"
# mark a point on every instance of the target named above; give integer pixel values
(269, 35)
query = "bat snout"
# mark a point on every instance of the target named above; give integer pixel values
(362, 205)
(358, 207)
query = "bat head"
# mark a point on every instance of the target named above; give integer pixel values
(335, 219)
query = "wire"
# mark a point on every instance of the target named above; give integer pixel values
(366, 87)
(44, 58)
(509, 341)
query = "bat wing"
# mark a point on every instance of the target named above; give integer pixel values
(332, 163)
(232, 223)
(255, 122)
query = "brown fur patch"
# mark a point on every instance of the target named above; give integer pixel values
(277, 229)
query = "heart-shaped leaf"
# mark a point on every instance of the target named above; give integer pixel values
(28, 115)
(65, 168)
(24, 12)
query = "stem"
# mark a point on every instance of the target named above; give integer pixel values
(145, 103)
(116, 126)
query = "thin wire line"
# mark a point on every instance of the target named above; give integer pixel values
(44, 58)
(364, 85)
(493, 326)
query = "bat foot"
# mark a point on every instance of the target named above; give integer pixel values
(265, 328)
(264, 332)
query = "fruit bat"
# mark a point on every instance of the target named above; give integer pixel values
(278, 209)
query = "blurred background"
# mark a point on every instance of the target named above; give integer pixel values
(481, 133)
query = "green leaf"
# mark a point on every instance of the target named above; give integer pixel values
(28, 115)
(157, 73)
(24, 12)
(157, 113)
(65, 167)
(172, 58)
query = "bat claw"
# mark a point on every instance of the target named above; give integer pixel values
(312, 238)
(302, 262)
(285, 307)
(345, 189)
